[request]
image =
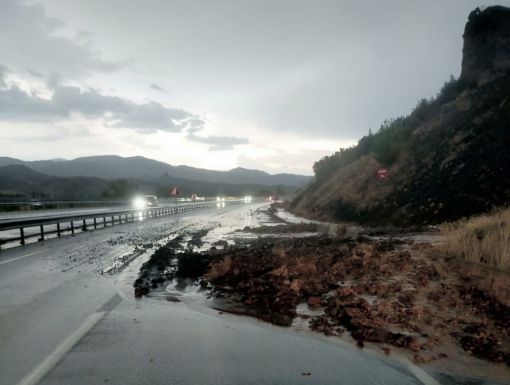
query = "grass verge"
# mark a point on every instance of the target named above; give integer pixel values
(482, 239)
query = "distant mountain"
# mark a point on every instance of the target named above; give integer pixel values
(115, 167)
(5, 161)
(18, 180)
(448, 159)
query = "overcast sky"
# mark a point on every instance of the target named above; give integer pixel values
(266, 84)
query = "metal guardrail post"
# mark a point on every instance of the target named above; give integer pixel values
(58, 229)
(22, 235)
(42, 232)
(72, 228)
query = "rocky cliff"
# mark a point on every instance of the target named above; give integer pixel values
(448, 159)
(486, 45)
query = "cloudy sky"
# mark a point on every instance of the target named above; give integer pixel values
(267, 84)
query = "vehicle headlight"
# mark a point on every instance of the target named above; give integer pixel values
(139, 203)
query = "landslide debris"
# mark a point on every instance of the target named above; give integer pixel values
(174, 260)
(385, 289)
(388, 291)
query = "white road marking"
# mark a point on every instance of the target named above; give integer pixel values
(420, 374)
(53, 358)
(20, 257)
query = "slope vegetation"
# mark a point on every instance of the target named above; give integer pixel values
(448, 159)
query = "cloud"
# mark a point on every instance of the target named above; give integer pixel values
(28, 36)
(156, 87)
(195, 124)
(35, 73)
(217, 143)
(3, 74)
(19, 105)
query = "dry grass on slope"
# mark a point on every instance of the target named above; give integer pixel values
(355, 184)
(483, 239)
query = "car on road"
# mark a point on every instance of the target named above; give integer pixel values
(144, 201)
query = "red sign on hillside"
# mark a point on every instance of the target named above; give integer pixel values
(175, 191)
(382, 173)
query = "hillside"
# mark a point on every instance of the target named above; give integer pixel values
(21, 181)
(448, 159)
(114, 167)
(18, 181)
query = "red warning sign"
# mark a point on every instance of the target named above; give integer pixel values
(382, 173)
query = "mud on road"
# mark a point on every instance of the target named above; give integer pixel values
(395, 292)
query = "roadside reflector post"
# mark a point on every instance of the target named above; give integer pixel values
(22, 235)
(42, 232)
(104, 221)
(72, 228)
(58, 230)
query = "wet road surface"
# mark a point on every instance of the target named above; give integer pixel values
(64, 322)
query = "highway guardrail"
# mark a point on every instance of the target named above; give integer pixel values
(72, 223)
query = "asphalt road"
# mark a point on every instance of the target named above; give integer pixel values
(63, 322)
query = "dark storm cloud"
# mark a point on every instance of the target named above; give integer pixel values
(19, 105)
(217, 143)
(28, 35)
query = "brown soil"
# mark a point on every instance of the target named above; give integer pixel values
(394, 292)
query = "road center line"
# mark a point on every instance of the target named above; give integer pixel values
(53, 358)
(20, 257)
